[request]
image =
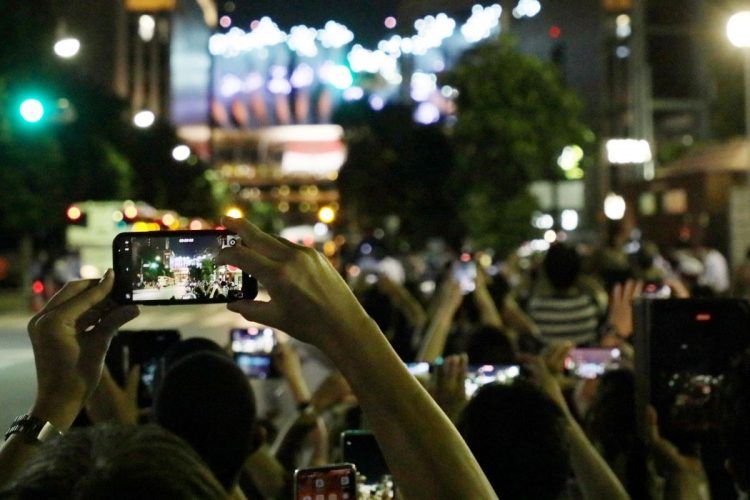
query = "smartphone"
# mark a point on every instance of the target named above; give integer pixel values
(360, 448)
(145, 348)
(591, 363)
(332, 482)
(252, 350)
(177, 267)
(478, 376)
(465, 274)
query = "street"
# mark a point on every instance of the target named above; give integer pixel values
(163, 293)
(17, 376)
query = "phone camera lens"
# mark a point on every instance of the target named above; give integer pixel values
(232, 243)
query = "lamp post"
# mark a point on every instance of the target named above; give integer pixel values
(738, 32)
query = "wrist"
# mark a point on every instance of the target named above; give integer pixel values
(60, 413)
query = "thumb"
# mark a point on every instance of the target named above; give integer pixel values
(131, 386)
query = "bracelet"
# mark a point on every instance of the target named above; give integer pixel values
(33, 429)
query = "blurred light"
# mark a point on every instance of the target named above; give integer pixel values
(32, 110)
(326, 214)
(234, 213)
(539, 245)
(302, 41)
(426, 113)
(329, 249)
(354, 94)
(253, 82)
(569, 220)
(550, 236)
(283, 207)
(181, 152)
(144, 119)
(527, 8)
(141, 226)
(448, 92)
(335, 35)
(542, 221)
(320, 229)
(195, 225)
(67, 47)
(168, 220)
(570, 157)
(146, 27)
(366, 249)
(225, 21)
(622, 52)
(738, 29)
(130, 212)
(623, 29)
(614, 206)
(280, 86)
(390, 22)
(427, 287)
(230, 85)
(74, 213)
(117, 216)
(555, 32)
(340, 77)
(376, 102)
(302, 76)
(37, 287)
(465, 257)
(628, 151)
(423, 85)
(482, 23)
(485, 260)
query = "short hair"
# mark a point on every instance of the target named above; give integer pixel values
(562, 265)
(734, 404)
(207, 400)
(489, 345)
(517, 435)
(112, 461)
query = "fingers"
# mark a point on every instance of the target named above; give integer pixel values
(265, 313)
(70, 289)
(117, 317)
(255, 239)
(79, 304)
(247, 259)
(131, 386)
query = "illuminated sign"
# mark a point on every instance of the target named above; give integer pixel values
(150, 5)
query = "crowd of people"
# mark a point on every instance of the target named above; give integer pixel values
(543, 434)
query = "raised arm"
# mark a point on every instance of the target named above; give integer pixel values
(70, 337)
(595, 478)
(309, 300)
(447, 303)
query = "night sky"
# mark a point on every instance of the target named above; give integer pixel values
(363, 18)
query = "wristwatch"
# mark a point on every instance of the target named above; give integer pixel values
(33, 429)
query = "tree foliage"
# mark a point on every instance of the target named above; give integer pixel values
(397, 167)
(514, 118)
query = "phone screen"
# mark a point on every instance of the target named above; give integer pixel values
(656, 290)
(418, 369)
(252, 349)
(478, 376)
(177, 267)
(465, 273)
(145, 348)
(334, 482)
(593, 362)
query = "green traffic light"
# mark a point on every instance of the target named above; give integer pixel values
(32, 110)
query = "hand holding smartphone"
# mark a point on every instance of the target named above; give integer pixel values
(177, 267)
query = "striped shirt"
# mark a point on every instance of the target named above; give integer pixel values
(573, 318)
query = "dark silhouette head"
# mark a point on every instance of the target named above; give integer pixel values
(562, 265)
(206, 399)
(490, 346)
(115, 462)
(518, 437)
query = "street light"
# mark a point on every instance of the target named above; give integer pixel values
(738, 32)
(67, 47)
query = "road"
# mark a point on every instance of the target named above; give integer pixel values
(17, 376)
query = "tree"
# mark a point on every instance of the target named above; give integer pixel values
(396, 167)
(514, 118)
